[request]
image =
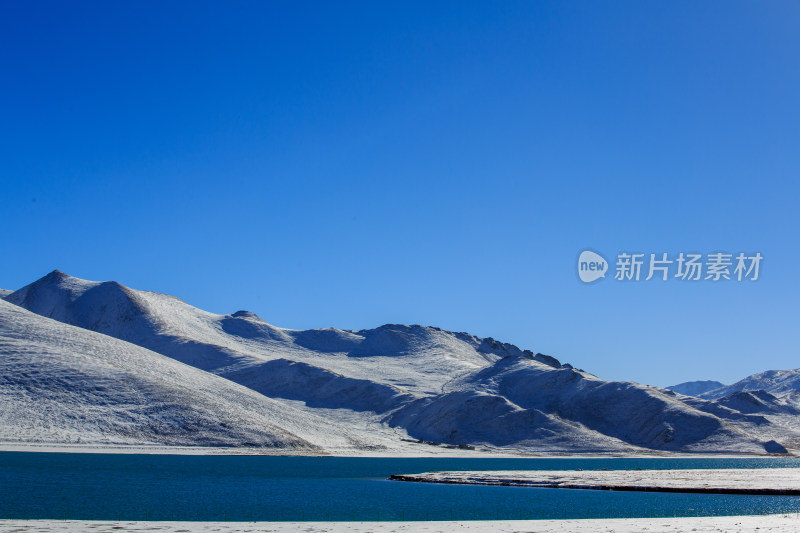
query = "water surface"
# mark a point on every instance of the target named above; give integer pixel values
(214, 487)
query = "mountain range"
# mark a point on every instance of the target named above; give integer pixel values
(100, 363)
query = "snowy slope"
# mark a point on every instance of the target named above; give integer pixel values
(62, 384)
(4, 293)
(695, 388)
(627, 412)
(760, 402)
(397, 381)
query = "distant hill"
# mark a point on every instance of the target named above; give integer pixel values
(695, 388)
(776, 382)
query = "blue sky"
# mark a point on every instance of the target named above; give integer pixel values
(354, 164)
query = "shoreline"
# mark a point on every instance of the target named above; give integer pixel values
(433, 452)
(754, 481)
(776, 523)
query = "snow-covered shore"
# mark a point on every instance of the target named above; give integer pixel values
(409, 451)
(729, 481)
(762, 524)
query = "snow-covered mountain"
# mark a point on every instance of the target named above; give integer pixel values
(776, 382)
(370, 370)
(774, 395)
(377, 387)
(695, 388)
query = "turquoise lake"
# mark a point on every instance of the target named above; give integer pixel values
(174, 487)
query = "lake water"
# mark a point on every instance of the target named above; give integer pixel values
(173, 487)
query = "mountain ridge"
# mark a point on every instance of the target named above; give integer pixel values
(772, 381)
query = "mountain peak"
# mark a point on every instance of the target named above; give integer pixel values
(246, 314)
(57, 275)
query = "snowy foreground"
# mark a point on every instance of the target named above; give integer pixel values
(728, 481)
(766, 523)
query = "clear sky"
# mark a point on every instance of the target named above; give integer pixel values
(442, 163)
